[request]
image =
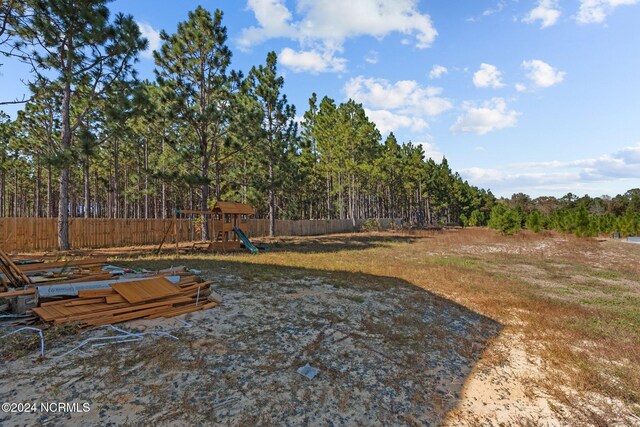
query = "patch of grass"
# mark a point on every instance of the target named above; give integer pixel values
(22, 343)
(455, 261)
(606, 274)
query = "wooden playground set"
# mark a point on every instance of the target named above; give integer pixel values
(226, 224)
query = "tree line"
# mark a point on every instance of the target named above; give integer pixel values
(92, 140)
(583, 216)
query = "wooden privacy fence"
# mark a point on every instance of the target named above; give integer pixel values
(28, 234)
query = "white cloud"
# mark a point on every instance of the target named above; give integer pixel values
(624, 163)
(437, 71)
(386, 121)
(325, 25)
(520, 87)
(547, 12)
(615, 171)
(499, 7)
(403, 95)
(274, 20)
(488, 76)
(489, 116)
(542, 74)
(152, 35)
(595, 11)
(403, 104)
(372, 57)
(311, 61)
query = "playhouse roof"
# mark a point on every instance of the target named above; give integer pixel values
(233, 208)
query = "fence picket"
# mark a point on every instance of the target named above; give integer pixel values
(29, 234)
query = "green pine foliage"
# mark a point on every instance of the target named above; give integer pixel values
(504, 219)
(583, 217)
(534, 221)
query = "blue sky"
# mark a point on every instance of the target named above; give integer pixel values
(534, 96)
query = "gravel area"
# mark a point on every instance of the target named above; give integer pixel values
(387, 354)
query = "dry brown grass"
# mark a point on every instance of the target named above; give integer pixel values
(587, 332)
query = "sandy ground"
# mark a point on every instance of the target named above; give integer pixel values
(388, 356)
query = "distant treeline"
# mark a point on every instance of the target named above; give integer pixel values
(582, 216)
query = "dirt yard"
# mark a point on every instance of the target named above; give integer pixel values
(457, 328)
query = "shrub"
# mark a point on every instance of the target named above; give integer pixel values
(534, 222)
(508, 221)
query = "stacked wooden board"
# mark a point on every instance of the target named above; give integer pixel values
(148, 298)
(13, 275)
(85, 270)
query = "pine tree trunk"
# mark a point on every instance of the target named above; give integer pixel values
(87, 189)
(115, 199)
(36, 208)
(49, 193)
(125, 211)
(146, 180)
(65, 141)
(164, 200)
(163, 189)
(97, 213)
(3, 182)
(217, 172)
(16, 207)
(272, 202)
(204, 164)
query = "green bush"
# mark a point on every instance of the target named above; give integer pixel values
(535, 222)
(505, 220)
(477, 218)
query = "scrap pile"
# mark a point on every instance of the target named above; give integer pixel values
(145, 298)
(93, 293)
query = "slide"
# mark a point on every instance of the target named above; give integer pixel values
(245, 240)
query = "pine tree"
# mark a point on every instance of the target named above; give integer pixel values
(193, 66)
(534, 221)
(278, 129)
(79, 53)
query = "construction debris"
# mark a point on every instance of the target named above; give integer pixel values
(12, 273)
(152, 298)
(308, 372)
(93, 293)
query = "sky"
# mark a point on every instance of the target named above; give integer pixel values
(533, 96)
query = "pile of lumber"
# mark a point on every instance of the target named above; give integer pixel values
(44, 273)
(149, 297)
(12, 274)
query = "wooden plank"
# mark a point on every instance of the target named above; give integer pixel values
(57, 302)
(128, 308)
(14, 274)
(127, 316)
(183, 310)
(47, 265)
(17, 293)
(195, 286)
(95, 293)
(147, 290)
(114, 299)
(83, 301)
(60, 311)
(87, 278)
